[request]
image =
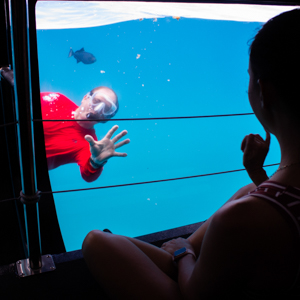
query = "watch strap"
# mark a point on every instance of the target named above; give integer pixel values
(95, 165)
(184, 252)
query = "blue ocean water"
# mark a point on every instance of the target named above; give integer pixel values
(158, 68)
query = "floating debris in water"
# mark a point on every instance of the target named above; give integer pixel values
(177, 18)
(138, 56)
(101, 71)
(141, 19)
(155, 20)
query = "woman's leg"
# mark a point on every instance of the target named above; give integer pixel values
(129, 269)
(160, 257)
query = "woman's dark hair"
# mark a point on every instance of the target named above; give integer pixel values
(275, 53)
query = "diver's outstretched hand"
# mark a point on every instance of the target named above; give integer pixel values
(255, 150)
(104, 149)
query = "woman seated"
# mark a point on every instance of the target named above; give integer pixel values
(250, 247)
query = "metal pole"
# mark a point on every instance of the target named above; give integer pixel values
(29, 193)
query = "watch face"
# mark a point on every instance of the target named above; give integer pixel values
(179, 251)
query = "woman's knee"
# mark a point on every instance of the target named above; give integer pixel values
(91, 241)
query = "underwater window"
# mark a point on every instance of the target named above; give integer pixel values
(179, 71)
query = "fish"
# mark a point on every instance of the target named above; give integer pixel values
(82, 56)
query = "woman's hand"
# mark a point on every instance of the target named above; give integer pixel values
(255, 150)
(173, 245)
(104, 149)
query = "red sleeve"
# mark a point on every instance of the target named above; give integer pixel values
(82, 158)
(88, 173)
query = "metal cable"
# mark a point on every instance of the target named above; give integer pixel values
(8, 124)
(148, 182)
(138, 183)
(144, 119)
(145, 182)
(10, 199)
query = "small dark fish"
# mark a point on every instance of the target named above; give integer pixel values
(82, 56)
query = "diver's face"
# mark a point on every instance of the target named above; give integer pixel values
(98, 106)
(101, 105)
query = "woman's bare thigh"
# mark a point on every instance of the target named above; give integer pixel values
(125, 271)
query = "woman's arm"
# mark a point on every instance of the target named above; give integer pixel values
(224, 262)
(197, 237)
(255, 151)
(258, 176)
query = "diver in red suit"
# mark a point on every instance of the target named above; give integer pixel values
(76, 142)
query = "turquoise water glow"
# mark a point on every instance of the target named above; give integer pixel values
(163, 68)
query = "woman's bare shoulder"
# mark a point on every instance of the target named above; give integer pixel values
(242, 210)
(265, 227)
(250, 211)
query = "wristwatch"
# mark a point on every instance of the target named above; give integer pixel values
(182, 252)
(95, 165)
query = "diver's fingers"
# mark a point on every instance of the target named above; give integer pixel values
(127, 141)
(119, 136)
(111, 131)
(90, 139)
(120, 154)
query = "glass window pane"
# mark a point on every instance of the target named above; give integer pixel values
(165, 61)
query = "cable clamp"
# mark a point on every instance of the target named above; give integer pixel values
(33, 199)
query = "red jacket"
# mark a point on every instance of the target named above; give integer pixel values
(64, 141)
